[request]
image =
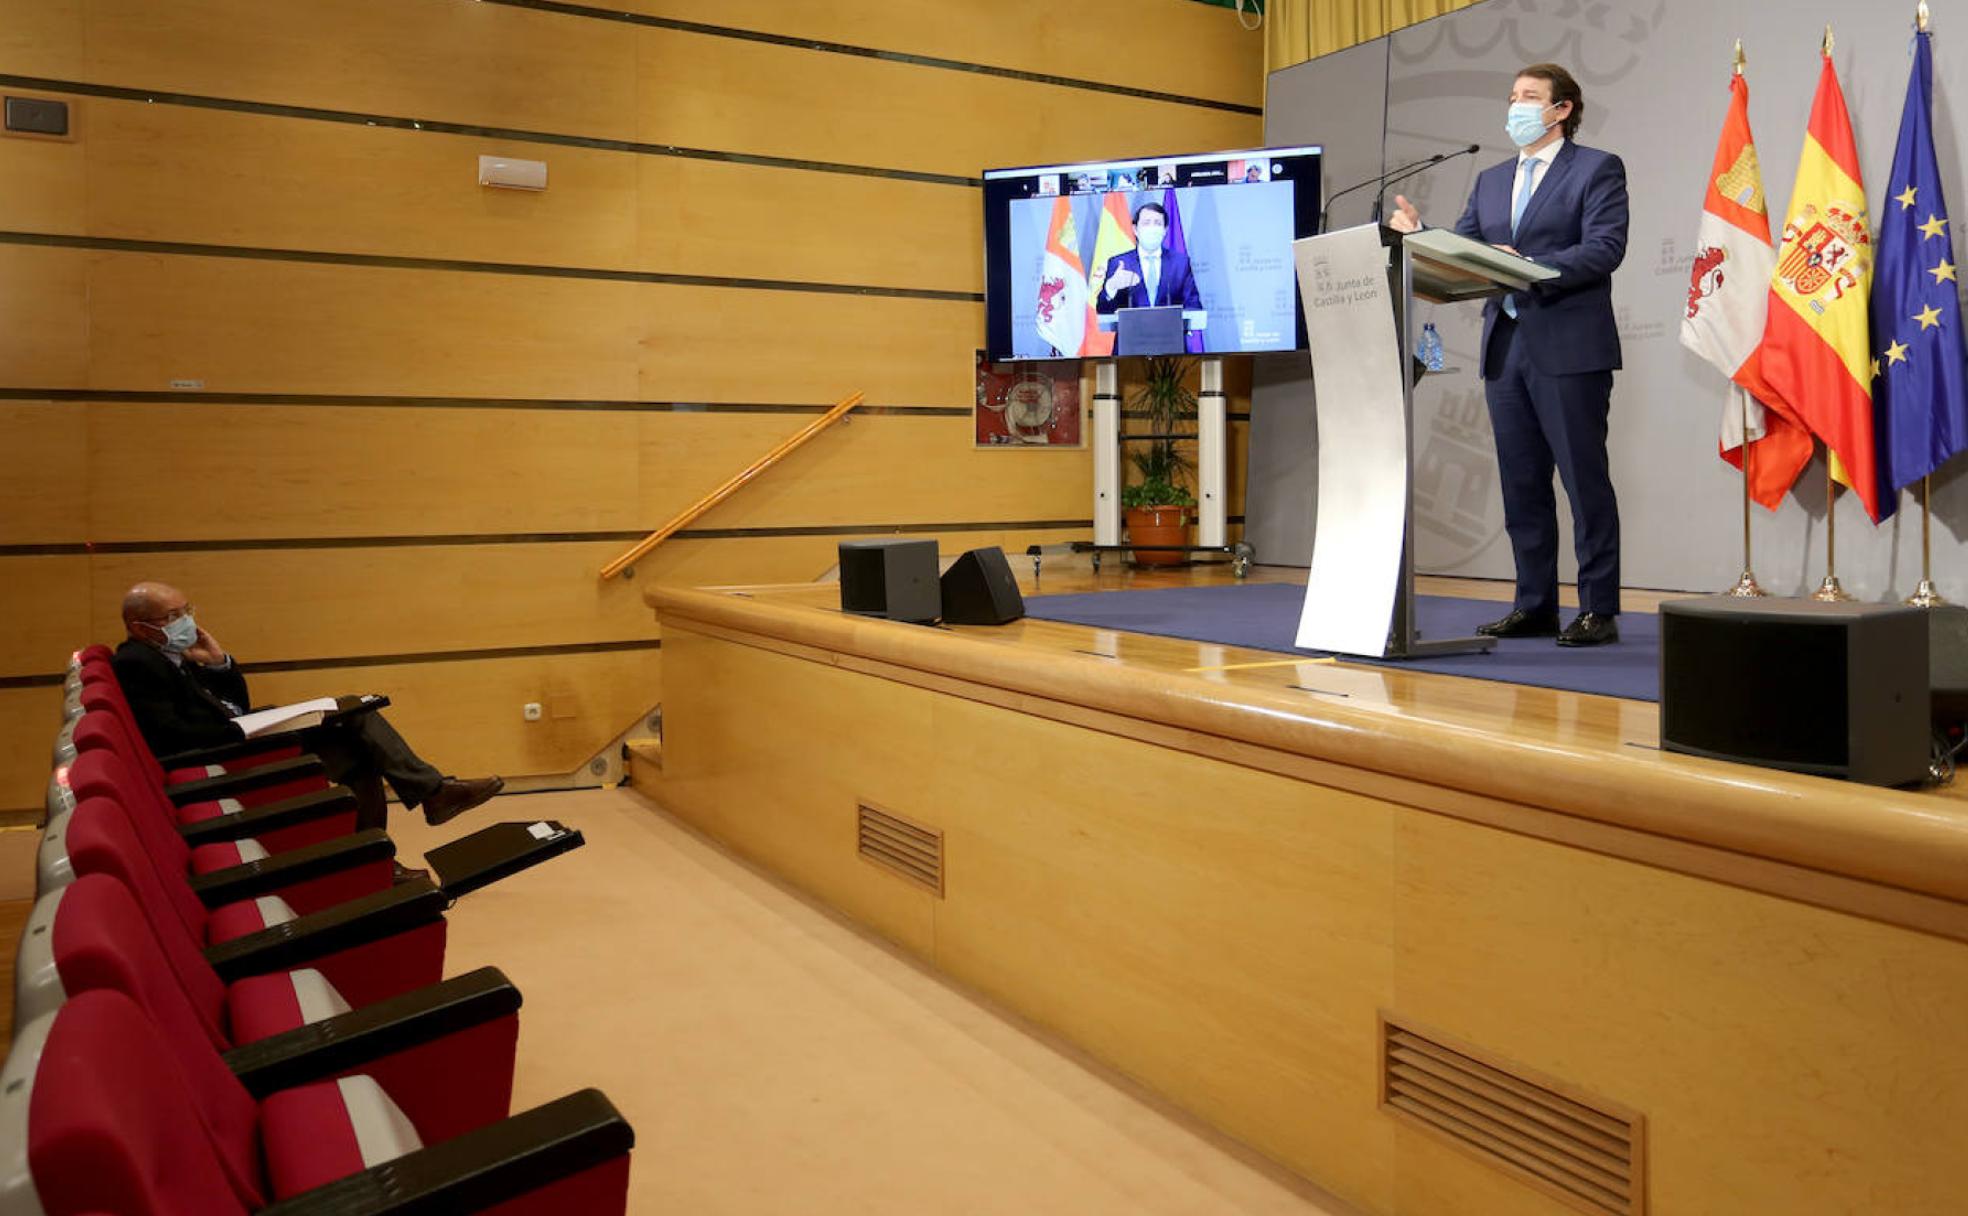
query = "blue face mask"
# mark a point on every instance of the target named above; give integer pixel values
(1526, 124)
(180, 635)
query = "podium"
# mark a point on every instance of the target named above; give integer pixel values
(1359, 286)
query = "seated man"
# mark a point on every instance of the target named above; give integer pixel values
(185, 690)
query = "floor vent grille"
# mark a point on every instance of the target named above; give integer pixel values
(907, 849)
(1576, 1147)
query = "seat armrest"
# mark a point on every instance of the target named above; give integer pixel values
(480, 1169)
(298, 942)
(269, 875)
(347, 1041)
(220, 753)
(277, 772)
(269, 816)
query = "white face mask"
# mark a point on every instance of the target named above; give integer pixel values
(1150, 238)
(1526, 124)
(180, 635)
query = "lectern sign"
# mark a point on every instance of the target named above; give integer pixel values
(1363, 442)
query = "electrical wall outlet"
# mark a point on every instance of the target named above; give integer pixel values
(530, 711)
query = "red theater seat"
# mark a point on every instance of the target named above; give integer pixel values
(115, 1117)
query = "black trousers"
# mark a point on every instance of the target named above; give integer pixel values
(366, 751)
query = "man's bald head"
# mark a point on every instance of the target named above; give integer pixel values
(150, 603)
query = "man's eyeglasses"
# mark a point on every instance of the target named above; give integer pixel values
(173, 616)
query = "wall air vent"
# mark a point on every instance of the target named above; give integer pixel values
(905, 848)
(1578, 1148)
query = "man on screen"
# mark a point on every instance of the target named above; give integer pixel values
(1549, 353)
(1148, 275)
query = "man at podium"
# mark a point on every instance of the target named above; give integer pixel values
(1549, 353)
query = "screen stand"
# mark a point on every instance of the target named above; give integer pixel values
(1212, 463)
(1107, 453)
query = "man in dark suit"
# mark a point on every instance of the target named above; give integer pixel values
(184, 690)
(1148, 275)
(1549, 353)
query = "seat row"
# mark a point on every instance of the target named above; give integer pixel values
(227, 1000)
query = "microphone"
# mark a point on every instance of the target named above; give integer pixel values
(1389, 178)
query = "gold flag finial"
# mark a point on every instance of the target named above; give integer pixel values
(1827, 39)
(1739, 57)
(1920, 17)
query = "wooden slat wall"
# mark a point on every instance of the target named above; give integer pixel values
(420, 413)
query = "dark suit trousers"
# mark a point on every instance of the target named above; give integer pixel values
(1544, 422)
(364, 752)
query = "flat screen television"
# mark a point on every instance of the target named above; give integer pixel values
(1069, 249)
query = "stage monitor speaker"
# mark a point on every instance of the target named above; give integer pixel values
(978, 589)
(1835, 690)
(891, 578)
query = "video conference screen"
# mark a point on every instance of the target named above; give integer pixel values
(1152, 256)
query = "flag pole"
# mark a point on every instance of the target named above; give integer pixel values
(1926, 595)
(1829, 591)
(1746, 587)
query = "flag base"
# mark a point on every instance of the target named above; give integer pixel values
(1747, 588)
(1926, 595)
(1829, 592)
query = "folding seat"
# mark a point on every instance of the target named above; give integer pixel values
(307, 811)
(101, 692)
(101, 1113)
(309, 877)
(444, 1053)
(374, 946)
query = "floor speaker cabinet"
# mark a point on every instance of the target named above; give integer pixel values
(1835, 690)
(890, 578)
(979, 589)
(1947, 661)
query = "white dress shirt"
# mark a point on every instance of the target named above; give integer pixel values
(1544, 156)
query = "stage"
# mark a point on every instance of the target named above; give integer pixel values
(1261, 884)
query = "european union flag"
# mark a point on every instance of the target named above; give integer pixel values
(1919, 365)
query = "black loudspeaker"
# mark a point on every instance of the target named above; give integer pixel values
(891, 578)
(1835, 690)
(1947, 662)
(978, 589)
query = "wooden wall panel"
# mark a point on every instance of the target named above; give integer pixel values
(44, 317)
(217, 177)
(359, 471)
(244, 325)
(708, 217)
(449, 60)
(42, 38)
(45, 602)
(249, 325)
(171, 173)
(44, 473)
(45, 177)
(28, 719)
(464, 716)
(755, 97)
(889, 468)
(1124, 42)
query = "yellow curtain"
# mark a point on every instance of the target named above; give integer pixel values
(1297, 30)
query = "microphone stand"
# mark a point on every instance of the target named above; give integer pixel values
(1389, 178)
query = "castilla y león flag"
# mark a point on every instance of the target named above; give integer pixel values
(1728, 302)
(1816, 348)
(1062, 306)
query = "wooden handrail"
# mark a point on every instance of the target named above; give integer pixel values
(691, 512)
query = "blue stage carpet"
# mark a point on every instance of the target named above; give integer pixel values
(1264, 616)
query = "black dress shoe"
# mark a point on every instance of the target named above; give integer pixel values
(455, 797)
(1591, 629)
(1521, 624)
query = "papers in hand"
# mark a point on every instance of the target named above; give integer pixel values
(298, 716)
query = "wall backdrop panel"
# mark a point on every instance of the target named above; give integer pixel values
(253, 346)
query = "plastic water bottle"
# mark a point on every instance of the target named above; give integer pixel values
(1431, 354)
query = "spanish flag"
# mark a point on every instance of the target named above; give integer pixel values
(1816, 345)
(1114, 237)
(1728, 310)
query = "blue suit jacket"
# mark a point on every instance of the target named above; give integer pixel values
(1576, 224)
(1178, 285)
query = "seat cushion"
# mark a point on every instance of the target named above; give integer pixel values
(246, 916)
(262, 1006)
(314, 1134)
(209, 857)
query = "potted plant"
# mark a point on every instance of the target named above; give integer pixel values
(1159, 505)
